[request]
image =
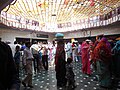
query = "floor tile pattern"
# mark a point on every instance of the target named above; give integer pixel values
(46, 80)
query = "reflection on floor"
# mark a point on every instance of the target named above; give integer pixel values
(46, 80)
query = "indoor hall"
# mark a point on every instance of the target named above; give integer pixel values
(86, 31)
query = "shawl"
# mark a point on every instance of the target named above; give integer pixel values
(59, 51)
(102, 51)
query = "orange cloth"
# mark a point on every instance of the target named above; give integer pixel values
(104, 48)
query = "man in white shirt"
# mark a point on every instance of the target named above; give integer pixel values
(34, 49)
(27, 61)
(69, 50)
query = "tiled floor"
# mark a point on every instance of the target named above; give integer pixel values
(46, 80)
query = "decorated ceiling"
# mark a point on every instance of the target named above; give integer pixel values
(60, 11)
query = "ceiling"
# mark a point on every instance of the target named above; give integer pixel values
(60, 11)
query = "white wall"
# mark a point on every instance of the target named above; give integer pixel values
(107, 30)
(10, 35)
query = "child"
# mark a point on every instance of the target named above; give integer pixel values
(70, 74)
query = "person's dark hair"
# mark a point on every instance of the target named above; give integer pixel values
(17, 47)
(60, 42)
(27, 44)
(15, 42)
(69, 60)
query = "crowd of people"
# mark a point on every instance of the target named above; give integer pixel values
(100, 55)
(103, 56)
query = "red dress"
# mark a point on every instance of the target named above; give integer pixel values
(85, 58)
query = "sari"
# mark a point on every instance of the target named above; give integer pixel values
(85, 58)
(60, 65)
(102, 53)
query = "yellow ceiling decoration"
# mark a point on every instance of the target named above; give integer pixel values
(61, 11)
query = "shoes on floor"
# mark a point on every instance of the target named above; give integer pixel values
(24, 84)
(74, 86)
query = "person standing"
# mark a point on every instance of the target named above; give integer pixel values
(45, 56)
(69, 50)
(53, 53)
(17, 58)
(60, 64)
(35, 51)
(79, 52)
(102, 54)
(13, 46)
(85, 57)
(27, 60)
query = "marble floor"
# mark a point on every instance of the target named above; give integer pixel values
(46, 80)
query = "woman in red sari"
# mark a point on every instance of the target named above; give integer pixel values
(102, 54)
(85, 57)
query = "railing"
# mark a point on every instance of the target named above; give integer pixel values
(71, 27)
(14, 24)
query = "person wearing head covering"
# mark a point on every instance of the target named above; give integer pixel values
(60, 64)
(102, 54)
(116, 59)
(85, 57)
